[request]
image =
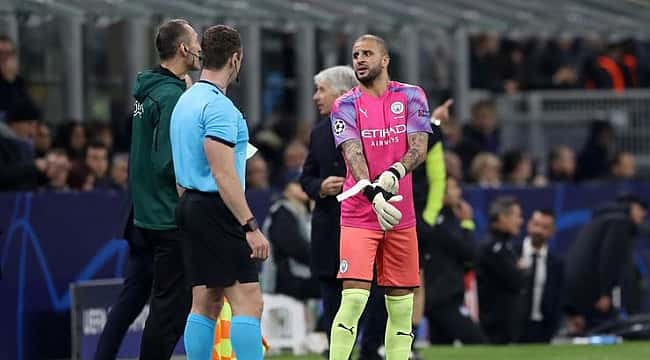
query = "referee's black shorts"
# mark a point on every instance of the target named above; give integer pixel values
(216, 251)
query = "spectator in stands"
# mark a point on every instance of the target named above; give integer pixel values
(13, 89)
(543, 281)
(20, 169)
(97, 161)
(453, 133)
(446, 258)
(593, 159)
(485, 170)
(622, 166)
(514, 68)
(500, 280)
(599, 262)
(481, 134)
(485, 63)
(120, 172)
(258, 191)
(561, 164)
(288, 229)
(102, 133)
(81, 177)
(43, 139)
(555, 66)
(609, 71)
(71, 136)
(57, 170)
(517, 167)
(294, 158)
(453, 165)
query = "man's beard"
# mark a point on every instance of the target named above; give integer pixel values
(373, 73)
(537, 240)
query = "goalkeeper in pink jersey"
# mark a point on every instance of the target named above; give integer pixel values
(382, 128)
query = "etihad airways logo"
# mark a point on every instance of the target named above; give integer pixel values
(382, 133)
(384, 137)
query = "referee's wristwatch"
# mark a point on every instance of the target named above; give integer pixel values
(250, 225)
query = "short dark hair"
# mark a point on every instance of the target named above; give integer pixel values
(485, 103)
(501, 206)
(631, 198)
(6, 38)
(380, 42)
(170, 34)
(218, 44)
(23, 110)
(511, 159)
(96, 144)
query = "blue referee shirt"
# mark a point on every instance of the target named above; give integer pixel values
(203, 112)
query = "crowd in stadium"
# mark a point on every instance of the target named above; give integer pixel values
(507, 65)
(79, 156)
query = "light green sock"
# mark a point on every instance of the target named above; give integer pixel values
(399, 337)
(344, 327)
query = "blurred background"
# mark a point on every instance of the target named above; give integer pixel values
(551, 105)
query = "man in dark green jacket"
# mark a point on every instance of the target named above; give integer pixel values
(153, 189)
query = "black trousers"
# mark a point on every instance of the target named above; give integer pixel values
(447, 323)
(535, 332)
(373, 320)
(136, 289)
(170, 298)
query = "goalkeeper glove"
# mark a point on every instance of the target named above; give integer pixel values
(387, 214)
(389, 179)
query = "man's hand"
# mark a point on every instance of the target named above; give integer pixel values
(389, 179)
(441, 113)
(604, 304)
(258, 244)
(387, 214)
(463, 211)
(331, 186)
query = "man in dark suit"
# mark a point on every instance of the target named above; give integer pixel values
(599, 262)
(446, 257)
(322, 179)
(543, 274)
(500, 280)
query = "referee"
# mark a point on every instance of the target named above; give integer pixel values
(209, 137)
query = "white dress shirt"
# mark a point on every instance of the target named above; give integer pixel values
(540, 276)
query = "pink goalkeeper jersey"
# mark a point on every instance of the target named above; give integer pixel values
(382, 124)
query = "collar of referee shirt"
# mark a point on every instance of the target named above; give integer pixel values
(213, 84)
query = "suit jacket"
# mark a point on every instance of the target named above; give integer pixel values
(323, 160)
(600, 258)
(500, 285)
(552, 295)
(446, 257)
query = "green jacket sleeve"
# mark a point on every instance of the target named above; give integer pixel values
(436, 177)
(161, 150)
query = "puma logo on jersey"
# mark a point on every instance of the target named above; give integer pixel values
(351, 329)
(363, 111)
(400, 333)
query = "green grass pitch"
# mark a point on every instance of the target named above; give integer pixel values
(626, 351)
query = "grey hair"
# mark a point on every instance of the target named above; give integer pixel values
(341, 78)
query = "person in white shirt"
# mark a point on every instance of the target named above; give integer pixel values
(541, 298)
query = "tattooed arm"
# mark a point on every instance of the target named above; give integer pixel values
(355, 159)
(417, 150)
